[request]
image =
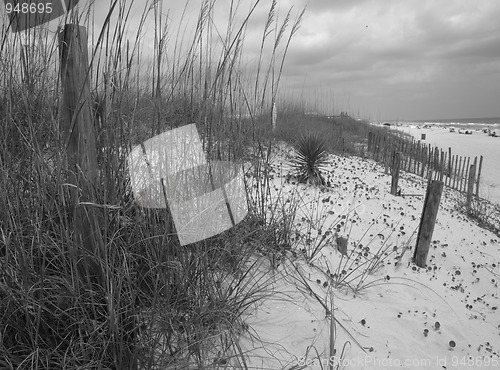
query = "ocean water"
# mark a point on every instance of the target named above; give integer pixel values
(480, 123)
(479, 143)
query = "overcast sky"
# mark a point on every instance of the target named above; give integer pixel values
(386, 59)
(403, 59)
(393, 59)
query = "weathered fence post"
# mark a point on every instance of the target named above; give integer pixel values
(454, 170)
(395, 167)
(430, 159)
(470, 183)
(462, 176)
(404, 150)
(459, 168)
(415, 157)
(379, 147)
(76, 126)
(449, 165)
(387, 160)
(424, 160)
(442, 166)
(479, 175)
(436, 160)
(427, 222)
(449, 160)
(384, 159)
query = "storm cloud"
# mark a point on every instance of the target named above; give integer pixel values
(387, 59)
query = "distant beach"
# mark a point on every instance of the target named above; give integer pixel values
(472, 123)
(477, 144)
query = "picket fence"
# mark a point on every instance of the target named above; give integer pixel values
(457, 172)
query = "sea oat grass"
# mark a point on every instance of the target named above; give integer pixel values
(485, 213)
(138, 300)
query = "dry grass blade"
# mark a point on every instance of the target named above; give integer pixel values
(155, 304)
(305, 283)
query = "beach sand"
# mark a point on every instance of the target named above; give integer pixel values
(477, 144)
(409, 317)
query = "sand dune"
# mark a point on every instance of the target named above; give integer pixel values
(410, 317)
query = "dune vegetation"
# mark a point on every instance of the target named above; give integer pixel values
(139, 300)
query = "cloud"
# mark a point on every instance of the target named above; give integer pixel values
(412, 58)
(398, 51)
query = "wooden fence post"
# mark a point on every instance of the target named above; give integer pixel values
(395, 167)
(384, 155)
(406, 155)
(387, 160)
(427, 222)
(424, 160)
(459, 168)
(462, 176)
(470, 184)
(77, 128)
(442, 165)
(449, 165)
(436, 160)
(449, 160)
(415, 158)
(454, 170)
(430, 153)
(479, 175)
(402, 148)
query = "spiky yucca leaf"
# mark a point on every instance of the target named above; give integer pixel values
(311, 158)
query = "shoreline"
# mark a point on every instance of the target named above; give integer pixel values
(476, 144)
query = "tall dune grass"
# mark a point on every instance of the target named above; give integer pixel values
(139, 300)
(147, 303)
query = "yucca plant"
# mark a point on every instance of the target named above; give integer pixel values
(311, 158)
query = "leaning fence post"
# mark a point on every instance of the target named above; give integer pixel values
(427, 221)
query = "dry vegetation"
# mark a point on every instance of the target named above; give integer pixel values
(139, 300)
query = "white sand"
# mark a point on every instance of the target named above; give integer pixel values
(459, 290)
(473, 145)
